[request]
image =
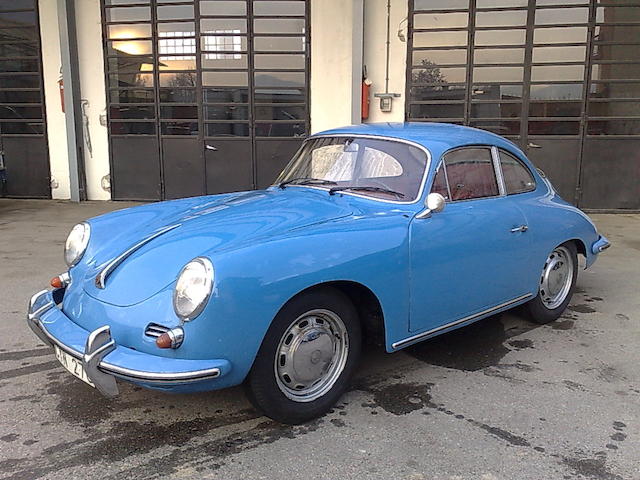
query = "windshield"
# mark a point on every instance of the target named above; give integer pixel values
(384, 169)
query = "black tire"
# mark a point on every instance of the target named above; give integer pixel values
(536, 309)
(262, 383)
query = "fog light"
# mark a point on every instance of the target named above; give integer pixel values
(61, 280)
(171, 339)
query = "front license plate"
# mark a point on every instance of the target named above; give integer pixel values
(73, 365)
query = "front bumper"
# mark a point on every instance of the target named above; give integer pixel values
(104, 360)
(600, 245)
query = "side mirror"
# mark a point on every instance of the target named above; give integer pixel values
(435, 203)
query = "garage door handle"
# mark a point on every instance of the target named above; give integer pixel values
(211, 147)
(521, 228)
(533, 145)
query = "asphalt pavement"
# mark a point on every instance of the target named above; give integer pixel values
(501, 399)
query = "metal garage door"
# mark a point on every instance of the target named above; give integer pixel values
(205, 96)
(559, 77)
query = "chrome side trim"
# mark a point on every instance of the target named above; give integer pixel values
(423, 335)
(497, 166)
(101, 278)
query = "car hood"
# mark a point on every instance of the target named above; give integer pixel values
(153, 242)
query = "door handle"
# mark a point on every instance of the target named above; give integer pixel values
(533, 145)
(521, 228)
(210, 147)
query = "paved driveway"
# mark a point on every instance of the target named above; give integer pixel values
(502, 399)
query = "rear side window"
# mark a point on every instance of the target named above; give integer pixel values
(470, 174)
(517, 177)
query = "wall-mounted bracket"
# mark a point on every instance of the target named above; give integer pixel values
(386, 100)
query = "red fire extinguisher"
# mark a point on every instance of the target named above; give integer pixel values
(366, 89)
(61, 87)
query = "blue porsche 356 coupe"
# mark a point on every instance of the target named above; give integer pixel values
(395, 231)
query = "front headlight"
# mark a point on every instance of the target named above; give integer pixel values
(76, 243)
(193, 288)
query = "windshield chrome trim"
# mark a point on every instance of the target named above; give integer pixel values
(374, 137)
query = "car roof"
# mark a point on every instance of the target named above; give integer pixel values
(436, 137)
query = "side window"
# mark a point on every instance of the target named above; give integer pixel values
(440, 183)
(517, 178)
(470, 173)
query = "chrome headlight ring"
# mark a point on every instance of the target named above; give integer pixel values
(193, 288)
(76, 243)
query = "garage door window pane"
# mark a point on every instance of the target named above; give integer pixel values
(517, 178)
(471, 174)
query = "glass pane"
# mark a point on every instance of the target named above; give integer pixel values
(279, 79)
(557, 73)
(179, 62)
(617, 34)
(176, 29)
(20, 113)
(500, 37)
(225, 45)
(497, 92)
(561, 16)
(131, 49)
(440, 184)
(226, 112)
(441, 20)
(20, 34)
(19, 65)
(498, 74)
(226, 25)
(439, 57)
(20, 97)
(124, 2)
(279, 9)
(128, 14)
(132, 113)
(441, 75)
(19, 50)
(130, 80)
(500, 3)
(182, 79)
(179, 111)
(226, 130)
(298, 129)
(496, 110)
(614, 71)
(179, 128)
(274, 44)
(214, 79)
(139, 30)
(175, 12)
(19, 81)
(16, 4)
(614, 109)
(219, 7)
(517, 177)
(226, 95)
(556, 92)
(613, 14)
(613, 127)
(442, 92)
(440, 4)
(562, 2)
(498, 55)
(125, 65)
(471, 174)
(178, 95)
(439, 39)
(224, 60)
(17, 19)
(278, 61)
(279, 25)
(441, 110)
(615, 90)
(22, 128)
(288, 95)
(559, 54)
(137, 128)
(131, 96)
(553, 128)
(501, 127)
(555, 109)
(507, 18)
(560, 35)
(289, 112)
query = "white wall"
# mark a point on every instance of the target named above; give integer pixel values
(56, 130)
(375, 37)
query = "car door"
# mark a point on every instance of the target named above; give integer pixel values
(469, 257)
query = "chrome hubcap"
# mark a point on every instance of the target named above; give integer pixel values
(557, 275)
(311, 355)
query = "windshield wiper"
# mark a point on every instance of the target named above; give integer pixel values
(306, 181)
(365, 189)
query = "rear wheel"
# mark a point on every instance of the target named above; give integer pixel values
(557, 282)
(307, 357)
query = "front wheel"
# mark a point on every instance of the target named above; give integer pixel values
(306, 358)
(557, 282)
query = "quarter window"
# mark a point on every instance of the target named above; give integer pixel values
(470, 174)
(517, 177)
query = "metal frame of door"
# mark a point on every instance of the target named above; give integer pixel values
(39, 187)
(577, 128)
(158, 127)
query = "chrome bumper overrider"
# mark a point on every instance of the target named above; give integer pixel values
(600, 245)
(98, 345)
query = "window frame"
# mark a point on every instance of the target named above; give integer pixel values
(524, 165)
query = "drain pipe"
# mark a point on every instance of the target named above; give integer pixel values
(386, 98)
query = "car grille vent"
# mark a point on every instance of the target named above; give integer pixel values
(154, 330)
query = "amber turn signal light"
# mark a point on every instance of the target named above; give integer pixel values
(163, 341)
(171, 339)
(56, 282)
